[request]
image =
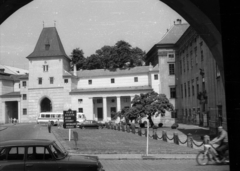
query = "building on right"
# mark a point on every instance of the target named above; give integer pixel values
(200, 91)
(200, 94)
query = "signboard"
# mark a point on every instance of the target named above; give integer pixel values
(69, 119)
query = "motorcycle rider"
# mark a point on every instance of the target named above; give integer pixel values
(222, 138)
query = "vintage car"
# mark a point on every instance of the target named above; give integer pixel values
(41, 154)
(90, 124)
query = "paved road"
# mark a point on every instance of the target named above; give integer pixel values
(157, 165)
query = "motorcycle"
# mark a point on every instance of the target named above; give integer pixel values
(210, 154)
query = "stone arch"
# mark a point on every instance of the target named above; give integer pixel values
(45, 104)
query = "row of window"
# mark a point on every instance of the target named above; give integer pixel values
(186, 88)
(51, 79)
(186, 63)
(125, 99)
(40, 80)
(90, 82)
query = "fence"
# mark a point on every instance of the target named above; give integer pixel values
(175, 138)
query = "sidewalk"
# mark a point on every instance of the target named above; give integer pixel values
(141, 156)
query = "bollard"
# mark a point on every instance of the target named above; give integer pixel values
(206, 139)
(123, 128)
(155, 134)
(189, 140)
(139, 132)
(133, 129)
(176, 140)
(127, 128)
(75, 137)
(164, 135)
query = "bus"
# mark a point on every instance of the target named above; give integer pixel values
(44, 117)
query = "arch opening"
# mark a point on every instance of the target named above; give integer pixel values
(46, 105)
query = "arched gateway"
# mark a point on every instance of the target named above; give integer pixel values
(46, 105)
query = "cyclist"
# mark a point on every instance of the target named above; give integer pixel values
(222, 139)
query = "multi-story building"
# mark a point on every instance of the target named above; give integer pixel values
(200, 97)
(50, 86)
(163, 55)
(200, 91)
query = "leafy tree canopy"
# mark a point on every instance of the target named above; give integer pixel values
(77, 57)
(148, 104)
(121, 55)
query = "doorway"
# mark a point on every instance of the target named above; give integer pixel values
(100, 113)
(11, 111)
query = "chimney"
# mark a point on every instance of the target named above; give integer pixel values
(150, 66)
(179, 21)
(75, 70)
(2, 70)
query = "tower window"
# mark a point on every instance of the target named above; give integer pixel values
(47, 46)
(51, 80)
(45, 68)
(40, 80)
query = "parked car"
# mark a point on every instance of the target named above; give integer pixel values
(90, 124)
(41, 154)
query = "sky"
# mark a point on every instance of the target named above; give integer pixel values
(84, 24)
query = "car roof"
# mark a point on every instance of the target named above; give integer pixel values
(27, 142)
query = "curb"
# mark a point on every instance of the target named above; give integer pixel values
(141, 157)
(3, 128)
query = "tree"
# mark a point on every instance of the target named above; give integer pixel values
(77, 57)
(137, 57)
(149, 104)
(92, 62)
(121, 55)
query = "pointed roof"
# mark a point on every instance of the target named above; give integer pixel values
(49, 44)
(174, 34)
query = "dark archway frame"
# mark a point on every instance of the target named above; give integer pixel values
(204, 17)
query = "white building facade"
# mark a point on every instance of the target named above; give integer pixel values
(50, 86)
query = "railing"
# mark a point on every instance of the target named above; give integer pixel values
(175, 138)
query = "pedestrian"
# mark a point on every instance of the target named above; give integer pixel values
(49, 126)
(14, 120)
(58, 123)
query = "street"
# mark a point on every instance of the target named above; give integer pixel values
(34, 131)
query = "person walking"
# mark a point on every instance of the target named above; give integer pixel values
(49, 126)
(58, 123)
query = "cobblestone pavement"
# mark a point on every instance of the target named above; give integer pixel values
(157, 165)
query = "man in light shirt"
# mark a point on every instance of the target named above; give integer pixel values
(222, 138)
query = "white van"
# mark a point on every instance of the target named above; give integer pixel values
(44, 117)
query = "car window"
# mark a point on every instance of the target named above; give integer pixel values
(3, 154)
(16, 153)
(38, 153)
(57, 152)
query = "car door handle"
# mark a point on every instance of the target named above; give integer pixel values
(29, 165)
